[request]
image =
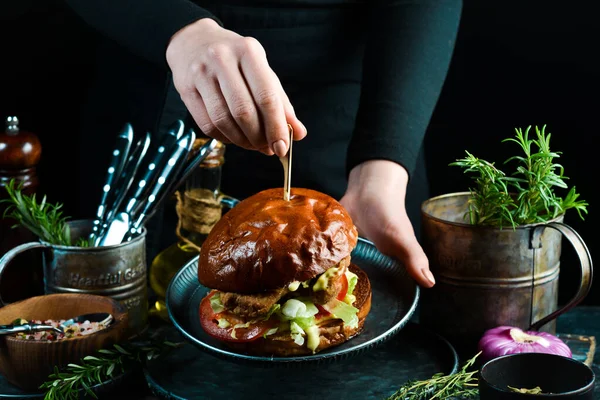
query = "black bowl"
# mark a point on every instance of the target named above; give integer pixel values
(557, 376)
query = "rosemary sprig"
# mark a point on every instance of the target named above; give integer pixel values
(93, 370)
(529, 194)
(490, 203)
(462, 384)
(45, 220)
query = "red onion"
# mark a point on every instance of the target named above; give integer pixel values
(505, 340)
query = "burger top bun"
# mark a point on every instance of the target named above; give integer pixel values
(265, 242)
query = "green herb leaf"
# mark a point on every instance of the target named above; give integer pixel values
(121, 350)
(43, 219)
(527, 196)
(462, 384)
(93, 370)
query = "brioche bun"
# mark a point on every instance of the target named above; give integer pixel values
(266, 242)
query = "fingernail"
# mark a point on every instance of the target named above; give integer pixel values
(305, 130)
(280, 148)
(428, 275)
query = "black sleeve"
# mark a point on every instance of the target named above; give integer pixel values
(408, 53)
(143, 26)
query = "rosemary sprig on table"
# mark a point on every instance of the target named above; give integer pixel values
(93, 370)
(43, 219)
(461, 384)
(528, 195)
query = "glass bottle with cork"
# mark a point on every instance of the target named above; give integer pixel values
(199, 206)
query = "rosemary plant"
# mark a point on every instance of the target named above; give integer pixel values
(462, 384)
(43, 219)
(529, 194)
(108, 363)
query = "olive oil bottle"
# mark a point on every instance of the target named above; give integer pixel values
(199, 207)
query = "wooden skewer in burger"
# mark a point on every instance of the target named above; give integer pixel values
(282, 280)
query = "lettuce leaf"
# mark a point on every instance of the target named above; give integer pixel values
(345, 312)
(216, 304)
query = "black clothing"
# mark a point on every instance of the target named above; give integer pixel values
(363, 77)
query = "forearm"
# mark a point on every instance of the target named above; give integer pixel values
(145, 27)
(407, 57)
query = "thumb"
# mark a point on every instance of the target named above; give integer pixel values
(406, 248)
(298, 127)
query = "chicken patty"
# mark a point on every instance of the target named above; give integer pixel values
(256, 305)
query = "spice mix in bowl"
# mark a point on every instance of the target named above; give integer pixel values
(27, 359)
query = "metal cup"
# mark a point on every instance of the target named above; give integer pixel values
(487, 277)
(117, 271)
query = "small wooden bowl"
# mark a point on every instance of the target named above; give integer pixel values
(27, 363)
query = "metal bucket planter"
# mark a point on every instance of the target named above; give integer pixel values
(487, 277)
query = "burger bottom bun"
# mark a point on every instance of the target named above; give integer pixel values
(331, 332)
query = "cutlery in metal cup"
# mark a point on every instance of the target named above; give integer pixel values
(117, 162)
(155, 164)
(121, 223)
(129, 173)
(159, 190)
(191, 166)
(187, 170)
(178, 127)
(117, 229)
(123, 183)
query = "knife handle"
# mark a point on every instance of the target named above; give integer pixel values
(129, 173)
(170, 171)
(152, 168)
(193, 164)
(117, 161)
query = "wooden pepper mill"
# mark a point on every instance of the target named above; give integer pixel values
(20, 153)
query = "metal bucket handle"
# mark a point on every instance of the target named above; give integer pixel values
(586, 265)
(11, 254)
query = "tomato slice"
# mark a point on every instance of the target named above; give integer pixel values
(322, 312)
(344, 290)
(208, 321)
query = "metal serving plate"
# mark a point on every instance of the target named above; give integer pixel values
(395, 298)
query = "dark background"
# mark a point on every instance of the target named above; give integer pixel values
(516, 63)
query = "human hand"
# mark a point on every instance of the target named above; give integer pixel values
(230, 90)
(375, 200)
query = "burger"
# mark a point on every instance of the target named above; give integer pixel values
(281, 279)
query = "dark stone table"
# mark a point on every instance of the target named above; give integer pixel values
(583, 320)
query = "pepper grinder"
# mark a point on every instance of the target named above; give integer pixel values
(20, 153)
